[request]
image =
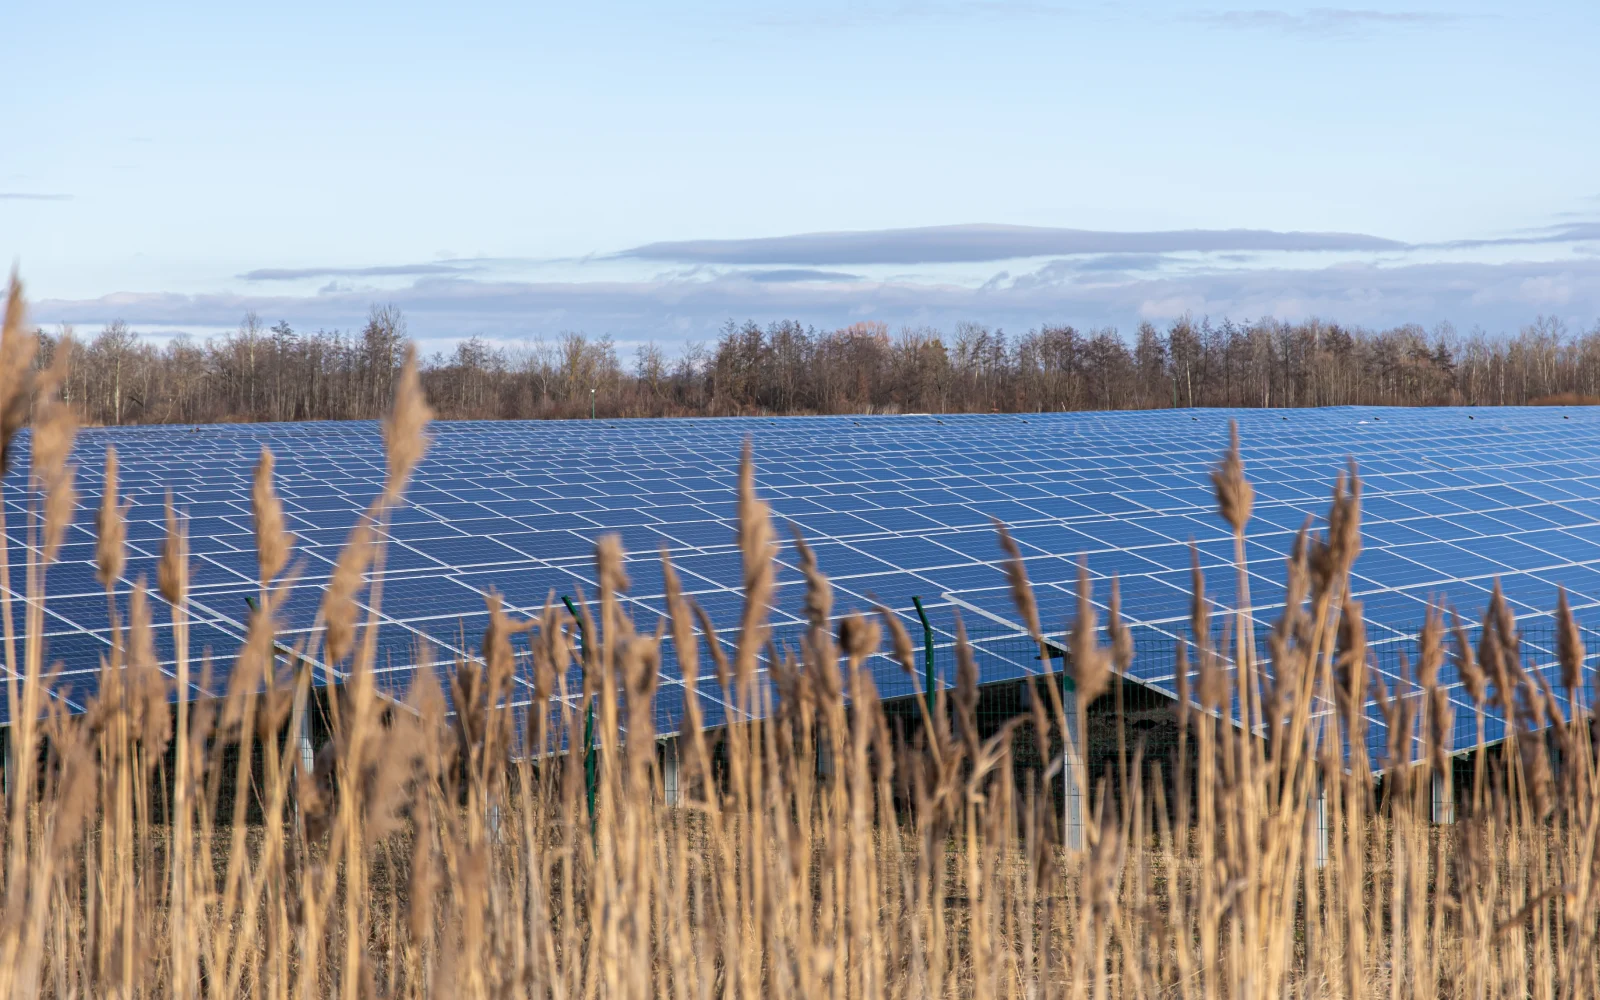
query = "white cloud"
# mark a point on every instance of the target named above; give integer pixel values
(1326, 22)
(1497, 296)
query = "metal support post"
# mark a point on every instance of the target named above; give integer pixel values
(1073, 771)
(308, 752)
(669, 771)
(1444, 794)
(927, 656)
(1319, 826)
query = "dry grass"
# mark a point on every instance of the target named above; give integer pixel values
(815, 855)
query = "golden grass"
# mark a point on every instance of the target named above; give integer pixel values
(810, 851)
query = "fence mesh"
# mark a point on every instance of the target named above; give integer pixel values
(1008, 660)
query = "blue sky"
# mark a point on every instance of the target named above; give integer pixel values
(635, 169)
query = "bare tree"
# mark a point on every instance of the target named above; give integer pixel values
(277, 373)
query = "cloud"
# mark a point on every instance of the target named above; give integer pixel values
(381, 271)
(1572, 232)
(32, 196)
(911, 11)
(795, 274)
(1100, 268)
(1124, 262)
(1326, 22)
(969, 243)
(1497, 297)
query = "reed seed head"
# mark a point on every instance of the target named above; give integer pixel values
(1350, 661)
(719, 658)
(338, 601)
(1235, 496)
(172, 572)
(55, 428)
(1552, 705)
(608, 563)
(1569, 645)
(1297, 579)
(252, 671)
(899, 641)
(966, 694)
(859, 637)
(111, 527)
(640, 660)
(17, 349)
(819, 654)
(1213, 683)
(1091, 665)
(405, 438)
(684, 643)
(1346, 533)
(1430, 648)
(1440, 718)
(1199, 607)
(1467, 666)
(550, 648)
(147, 686)
(756, 552)
(1333, 555)
(1121, 635)
(1497, 650)
(496, 646)
(272, 541)
(1017, 577)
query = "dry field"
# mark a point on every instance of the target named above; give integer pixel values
(421, 856)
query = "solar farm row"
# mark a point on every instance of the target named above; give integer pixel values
(894, 506)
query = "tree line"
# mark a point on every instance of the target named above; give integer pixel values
(277, 373)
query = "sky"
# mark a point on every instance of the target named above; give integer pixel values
(650, 171)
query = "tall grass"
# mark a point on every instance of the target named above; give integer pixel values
(810, 850)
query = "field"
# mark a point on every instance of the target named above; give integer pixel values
(445, 844)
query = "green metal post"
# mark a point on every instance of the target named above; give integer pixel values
(927, 655)
(589, 776)
(591, 773)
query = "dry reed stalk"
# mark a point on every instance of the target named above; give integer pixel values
(445, 846)
(53, 475)
(173, 580)
(17, 348)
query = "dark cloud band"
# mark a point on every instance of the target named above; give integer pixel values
(971, 243)
(381, 271)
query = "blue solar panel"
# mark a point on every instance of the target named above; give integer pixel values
(895, 507)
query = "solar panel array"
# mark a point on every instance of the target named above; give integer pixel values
(894, 506)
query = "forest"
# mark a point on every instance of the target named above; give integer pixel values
(278, 373)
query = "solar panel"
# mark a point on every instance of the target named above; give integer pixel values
(894, 506)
